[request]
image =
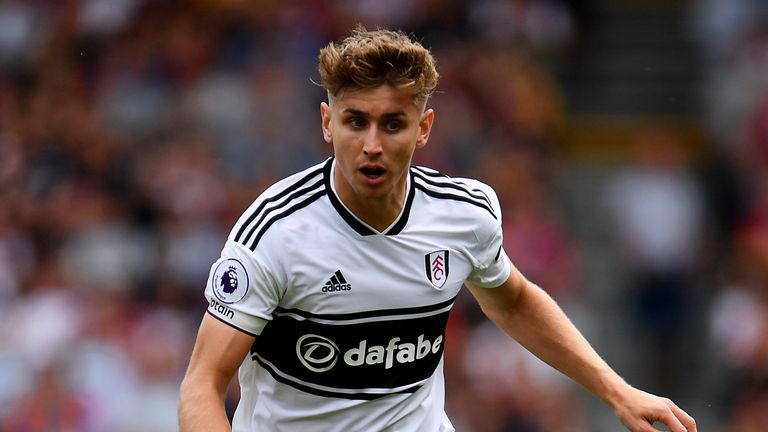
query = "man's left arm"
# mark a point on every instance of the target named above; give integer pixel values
(533, 318)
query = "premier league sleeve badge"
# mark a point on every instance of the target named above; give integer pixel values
(230, 281)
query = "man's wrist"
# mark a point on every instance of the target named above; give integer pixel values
(616, 391)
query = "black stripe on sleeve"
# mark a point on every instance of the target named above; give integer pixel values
(288, 211)
(231, 325)
(449, 183)
(257, 211)
(287, 203)
(445, 195)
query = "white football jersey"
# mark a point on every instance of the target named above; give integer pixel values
(351, 321)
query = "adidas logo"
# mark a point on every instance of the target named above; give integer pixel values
(337, 283)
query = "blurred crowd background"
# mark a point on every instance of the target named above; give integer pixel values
(628, 141)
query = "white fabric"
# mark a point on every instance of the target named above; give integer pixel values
(325, 279)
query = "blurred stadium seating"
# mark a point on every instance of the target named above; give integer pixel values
(628, 141)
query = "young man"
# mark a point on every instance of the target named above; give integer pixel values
(333, 289)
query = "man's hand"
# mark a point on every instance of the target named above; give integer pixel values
(531, 317)
(639, 410)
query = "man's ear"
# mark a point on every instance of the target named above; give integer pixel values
(325, 117)
(425, 126)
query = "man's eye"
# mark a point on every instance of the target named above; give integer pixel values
(393, 125)
(356, 122)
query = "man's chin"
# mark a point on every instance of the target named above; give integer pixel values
(373, 192)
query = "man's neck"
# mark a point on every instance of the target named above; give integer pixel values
(378, 213)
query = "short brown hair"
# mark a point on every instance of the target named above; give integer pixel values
(368, 59)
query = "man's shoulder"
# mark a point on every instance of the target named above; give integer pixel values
(424, 172)
(278, 201)
(312, 176)
(462, 189)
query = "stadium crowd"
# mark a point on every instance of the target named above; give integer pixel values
(133, 133)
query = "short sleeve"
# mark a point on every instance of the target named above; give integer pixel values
(242, 289)
(491, 264)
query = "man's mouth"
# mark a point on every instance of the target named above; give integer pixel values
(372, 172)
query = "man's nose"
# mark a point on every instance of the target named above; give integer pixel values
(372, 142)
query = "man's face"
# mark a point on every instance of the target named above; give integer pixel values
(374, 133)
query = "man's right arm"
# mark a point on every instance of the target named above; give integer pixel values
(219, 350)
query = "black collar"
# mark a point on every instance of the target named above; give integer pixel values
(352, 220)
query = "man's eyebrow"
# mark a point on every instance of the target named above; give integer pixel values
(394, 114)
(359, 113)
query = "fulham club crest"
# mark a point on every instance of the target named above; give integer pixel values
(436, 265)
